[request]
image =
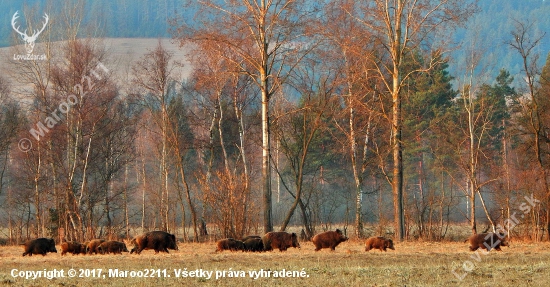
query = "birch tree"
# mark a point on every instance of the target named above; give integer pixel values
(153, 75)
(402, 26)
(347, 43)
(264, 35)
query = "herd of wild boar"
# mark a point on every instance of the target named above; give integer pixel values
(161, 241)
(156, 240)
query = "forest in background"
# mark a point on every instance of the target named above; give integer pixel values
(102, 160)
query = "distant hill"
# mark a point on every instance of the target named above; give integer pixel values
(122, 53)
(105, 18)
(490, 28)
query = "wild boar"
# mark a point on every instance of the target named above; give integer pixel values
(156, 240)
(229, 244)
(115, 247)
(487, 241)
(329, 239)
(39, 246)
(254, 245)
(93, 245)
(281, 240)
(379, 243)
(250, 236)
(72, 247)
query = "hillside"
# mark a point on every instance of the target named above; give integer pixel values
(490, 27)
(121, 54)
(490, 30)
(114, 19)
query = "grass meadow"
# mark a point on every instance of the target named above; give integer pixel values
(411, 264)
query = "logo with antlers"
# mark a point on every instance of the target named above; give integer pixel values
(29, 40)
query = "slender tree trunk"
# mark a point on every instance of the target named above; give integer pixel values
(238, 114)
(266, 167)
(144, 187)
(507, 174)
(126, 217)
(222, 141)
(37, 202)
(422, 208)
(84, 179)
(264, 86)
(297, 199)
(356, 176)
(190, 202)
(164, 209)
(473, 221)
(397, 179)
(306, 220)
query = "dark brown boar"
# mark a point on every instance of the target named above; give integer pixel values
(230, 244)
(254, 245)
(156, 240)
(138, 241)
(329, 239)
(84, 247)
(251, 236)
(115, 247)
(93, 245)
(72, 247)
(39, 246)
(487, 241)
(281, 240)
(378, 242)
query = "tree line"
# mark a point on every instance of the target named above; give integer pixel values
(296, 113)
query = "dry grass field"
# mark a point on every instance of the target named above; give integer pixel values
(411, 264)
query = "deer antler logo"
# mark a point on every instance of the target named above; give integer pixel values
(29, 40)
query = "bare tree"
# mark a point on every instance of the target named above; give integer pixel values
(298, 128)
(223, 92)
(76, 135)
(479, 115)
(348, 43)
(263, 38)
(153, 74)
(402, 26)
(533, 110)
(181, 140)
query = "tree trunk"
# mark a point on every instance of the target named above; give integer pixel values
(266, 167)
(190, 202)
(126, 217)
(264, 86)
(37, 202)
(297, 200)
(486, 211)
(306, 220)
(222, 141)
(238, 114)
(397, 179)
(472, 197)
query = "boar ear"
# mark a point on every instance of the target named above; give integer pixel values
(294, 234)
(338, 231)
